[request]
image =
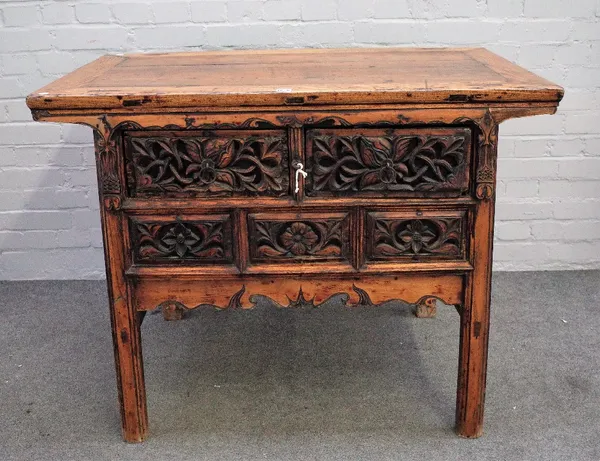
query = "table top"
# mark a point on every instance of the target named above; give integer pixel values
(295, 77)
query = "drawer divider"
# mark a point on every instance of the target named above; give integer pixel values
(240, 219)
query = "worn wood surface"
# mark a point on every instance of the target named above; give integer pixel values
(289, 77)
(202, 203)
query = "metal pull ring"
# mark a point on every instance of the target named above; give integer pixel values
(299, 171)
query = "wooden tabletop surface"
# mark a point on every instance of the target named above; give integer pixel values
(295, 77)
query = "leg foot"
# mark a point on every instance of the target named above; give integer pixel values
(465, 434)
(426, 307)
(172, 310)
(472, 367)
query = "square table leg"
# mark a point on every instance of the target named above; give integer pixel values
(474, 330)
(125, 323)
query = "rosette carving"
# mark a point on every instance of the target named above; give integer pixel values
(323, 239)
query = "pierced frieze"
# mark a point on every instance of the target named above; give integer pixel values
(343, 161)
(227, 164)
(298, 240)
(171, 309)
(427, 237)
(192, 241)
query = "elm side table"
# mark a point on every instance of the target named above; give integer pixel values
(297, 174)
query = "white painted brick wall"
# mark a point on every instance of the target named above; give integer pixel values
(549, 168)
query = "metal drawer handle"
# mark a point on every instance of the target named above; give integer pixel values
(299, 171)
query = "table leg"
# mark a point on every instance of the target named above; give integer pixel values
(125, 322)
(130, 371)
(474, 329)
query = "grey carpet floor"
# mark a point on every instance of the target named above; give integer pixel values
(320, 384)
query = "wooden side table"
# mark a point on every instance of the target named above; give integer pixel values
(297, 174)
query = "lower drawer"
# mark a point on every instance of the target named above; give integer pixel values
(299, 237)
(307, 241)
(190, 240)
(415, 235)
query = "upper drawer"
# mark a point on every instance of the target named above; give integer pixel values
(399, 162)
(189, 240)
(207, 163)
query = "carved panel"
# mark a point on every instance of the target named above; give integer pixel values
(397, 236)
(395, 161)
(107, 159)
(190, 240)
(486, 165)
(298, 238)
(207, 163)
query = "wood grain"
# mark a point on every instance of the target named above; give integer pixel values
(292, 77)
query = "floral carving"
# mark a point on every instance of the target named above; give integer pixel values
(298, 240)
(106, 140)
(232, 164)
(182, 240)
(106, 156)
(426, 237)
(387, 162)
(486, 156)
(417, 235)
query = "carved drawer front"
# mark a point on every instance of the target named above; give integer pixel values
(416, 236)
(207, 163)
(400, 162)
(191, 239)
(293, 237)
